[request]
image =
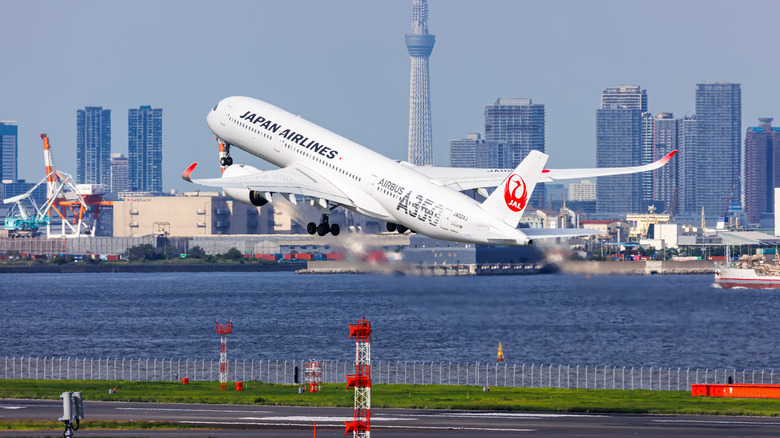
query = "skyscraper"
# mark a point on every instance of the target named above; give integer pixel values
(687, 165)
(517, 122)
(144, 136)
(519, 125)
(463, 152)
(621, 124)
(9, 138)
(718, 150)
(665, 138)
(420, 45)
(93, 145)
(762, 169)
(120, 173)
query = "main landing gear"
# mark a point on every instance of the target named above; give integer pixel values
(323, 228)
(396, 227)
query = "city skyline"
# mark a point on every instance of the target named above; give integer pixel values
(316, 74)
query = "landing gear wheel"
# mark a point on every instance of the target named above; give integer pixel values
(390, 227)
(401, 229)
(322, 229)
(229, 161)
(223, 162)
(311, 228)
(335, 229)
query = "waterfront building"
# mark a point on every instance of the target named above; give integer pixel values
(463, 152)
(762, 169)
(9, 141)
(93, 145)
(420, 45)
(718, 150)
(120, 173)
(144, 136)
(193, 214)
(620, 124)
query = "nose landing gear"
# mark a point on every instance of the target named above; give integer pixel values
(224, 154)
(323, 228)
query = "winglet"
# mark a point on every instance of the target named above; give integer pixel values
(187, 175)
(668, 157)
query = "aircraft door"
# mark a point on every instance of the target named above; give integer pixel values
(226, 114)
(445, 218)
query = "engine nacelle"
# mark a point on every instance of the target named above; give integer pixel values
(244, 196)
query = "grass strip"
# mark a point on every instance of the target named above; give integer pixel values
(30, 425)
(400, 396)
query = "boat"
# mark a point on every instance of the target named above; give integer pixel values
(750, 271)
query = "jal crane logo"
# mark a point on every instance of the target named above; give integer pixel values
(515, 193)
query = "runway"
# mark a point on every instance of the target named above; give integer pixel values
(282, 421)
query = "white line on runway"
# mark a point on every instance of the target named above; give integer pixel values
(236, 423)
(750, 423)
(194, 410)
(12, 407)
(374, 418)
(516, 415)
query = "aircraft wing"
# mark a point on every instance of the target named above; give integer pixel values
(462, 178)
(295, 179)
(550, 233)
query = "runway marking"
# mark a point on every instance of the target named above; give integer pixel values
(12, 407)
(238, 423)
(516, 415)
(756, 423)
(193, 410)
(324, 419)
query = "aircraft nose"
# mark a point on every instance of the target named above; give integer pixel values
(212, 117)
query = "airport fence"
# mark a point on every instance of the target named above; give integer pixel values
(391, 372)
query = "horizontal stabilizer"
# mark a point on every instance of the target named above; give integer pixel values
(551, 233)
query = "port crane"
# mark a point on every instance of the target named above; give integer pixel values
(64, 198)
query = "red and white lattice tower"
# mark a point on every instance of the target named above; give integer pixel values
(313, 375)
(223, 330)
(361, 380)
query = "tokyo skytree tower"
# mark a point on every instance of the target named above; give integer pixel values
(420, 45)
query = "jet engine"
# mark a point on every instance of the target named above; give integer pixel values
(244, 196)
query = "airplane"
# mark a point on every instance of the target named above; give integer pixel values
(333, 171)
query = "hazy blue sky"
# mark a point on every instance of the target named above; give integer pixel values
(344, 65)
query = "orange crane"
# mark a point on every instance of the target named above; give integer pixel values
(83, 199)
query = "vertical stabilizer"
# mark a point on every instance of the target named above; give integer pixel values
(510, 198)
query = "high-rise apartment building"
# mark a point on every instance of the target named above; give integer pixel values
(621, 127)
(687, 164)
(762, 169)
(584, 190)
(516, 127)
(144, 137)
(420, 45)
(666, 136)
(93, 145)
(718, 150)
(9, 140)
(463, 152)
(517, 122)
(120, 173)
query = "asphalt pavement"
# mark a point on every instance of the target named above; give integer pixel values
(282, 421)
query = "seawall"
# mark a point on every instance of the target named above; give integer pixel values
(641, 267)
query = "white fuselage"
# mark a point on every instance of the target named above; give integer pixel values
(380, 187)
